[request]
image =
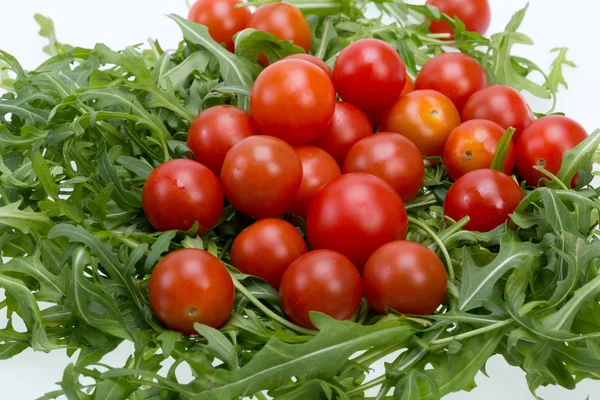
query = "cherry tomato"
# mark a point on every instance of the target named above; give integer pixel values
(355, 215)
(375, 116)
(487, 196)
(543, 143)
(500, 104)
(267, 248)
(405, 276)
(314, 60)
(191, 286)
(370, 74)
(347, 127)
(318, 169)
(180, 192)
(284, 21)
(221, 18)
(455, 75)
(293, 100)
(391, 157)
(261, 176)
(472, 146)
(475, 14)
(323, 281)
(425, 117)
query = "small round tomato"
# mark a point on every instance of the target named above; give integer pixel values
(267, 248)
(370, 74)
(355, 215)
(405, 276)
(261, 176)
(191, 286)
(284, 21)
(475, 14)
(472, 146)
(318, 169)
(500, 104)
(214, 132)
(543, 144)
(455, 75)
(322, 281)
(348, 125)
(487, 196)
(181, 192)
(293, 100)
(314, 60)
(425, 117)
(221, 18)
(391, 157)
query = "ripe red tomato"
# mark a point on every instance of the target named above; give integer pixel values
(221, 18)
(293, 100)
(391, 157)
(455, 75)
(284, 21)
(405, 276)
(318, 169)
(261, 176)
(425, 117)
(189, 286)
(543, 143)
(348, 125)
(472, 146)
(475, 14)
(500, 104)
(323, 281)
(355, 215)
(314, 60)
(214, 132)
(370, 74)
(487, 196)
(267, 248)
(180, 192)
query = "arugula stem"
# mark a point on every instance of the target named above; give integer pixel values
(366, 386)
(472, 333)
(423, 201)
(260, 396)
(441, 245)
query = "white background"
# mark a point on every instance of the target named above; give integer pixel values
(119, 23)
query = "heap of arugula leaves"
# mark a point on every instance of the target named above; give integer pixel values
(80, 134)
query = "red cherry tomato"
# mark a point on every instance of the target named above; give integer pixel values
(487, 196)
(475, 14)
(293, 100)
(391, 157)
(318, 169)
(370, 74)
(355, 215)
(261, 176)
(405, 276)
(543, 143)
(314, 60)
(221, 18)
(323, 281)
(191, 286)
(180, 192)
(284, 21)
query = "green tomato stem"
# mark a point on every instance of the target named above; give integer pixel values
(437, 240)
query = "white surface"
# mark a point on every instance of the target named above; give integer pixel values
(118, 23)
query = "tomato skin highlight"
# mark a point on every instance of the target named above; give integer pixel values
(191, 286)
(314, 60)
(221, 18)
(487, 196)
(284, 21)
(405, 276)
(261, 176)
(293, 100)
(475, 14)
(180, 192)
(355, 215)
(323, 281)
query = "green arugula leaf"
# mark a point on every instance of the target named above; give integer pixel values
(556, 78)
(579, 158)
(502, 150)
(249, 43)
(219, 345)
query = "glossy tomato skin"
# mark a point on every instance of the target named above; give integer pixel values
(487, 196)
(405, 276)
(284, 21)
(391, 157)
(323, 281)
(472, 146)
(215, 131)
(543, 143)
(221, 18)
(267, 248)
(455, 75)
(369, 74)
(293, 100)
(191, 286)
(314, 60)
(355, 215)
(475, 14)
(318, 169)
(425, 117)
(180, 192)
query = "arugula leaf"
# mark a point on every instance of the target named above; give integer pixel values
(502, 150)
(556, 78)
